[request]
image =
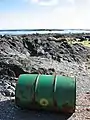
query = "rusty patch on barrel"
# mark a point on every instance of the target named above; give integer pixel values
(67, 108)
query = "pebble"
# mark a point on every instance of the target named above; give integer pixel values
(13, 84)
(9, 93)
(88, 109)
(87, 92)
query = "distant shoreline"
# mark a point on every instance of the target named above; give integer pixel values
(44, 29)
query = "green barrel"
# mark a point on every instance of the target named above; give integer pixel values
(44, 91)
(65, 93)
(48, 92)
(24, 92)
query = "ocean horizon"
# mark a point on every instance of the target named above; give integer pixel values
(42, 31)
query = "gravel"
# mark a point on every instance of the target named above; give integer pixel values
(8, 110)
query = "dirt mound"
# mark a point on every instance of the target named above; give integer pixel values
(39, 45)
(16, 53)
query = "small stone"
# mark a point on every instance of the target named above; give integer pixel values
(85, 97)
(12, 100)
(88, 109)
(13, 84)
(12, 94)
(87, 92)
(7, 92)
(39, 41)
(74, 115)
(9, 87)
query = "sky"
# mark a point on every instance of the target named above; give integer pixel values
(44, 14)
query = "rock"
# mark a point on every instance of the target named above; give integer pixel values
(9, 92)
(13, 85)
(88, 109)
(62, 40)
(12, 94)
(33, 45)
(57, 35)
(51, 39)
(34, 70)
(37, 41)
(51, 71)
(87, 92)
(11, 88)
(42, 71)
(40, 51)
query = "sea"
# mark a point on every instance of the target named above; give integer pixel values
(31, 31)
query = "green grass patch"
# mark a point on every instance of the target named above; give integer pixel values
(85, 43)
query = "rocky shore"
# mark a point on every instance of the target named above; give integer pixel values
(44, 54)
